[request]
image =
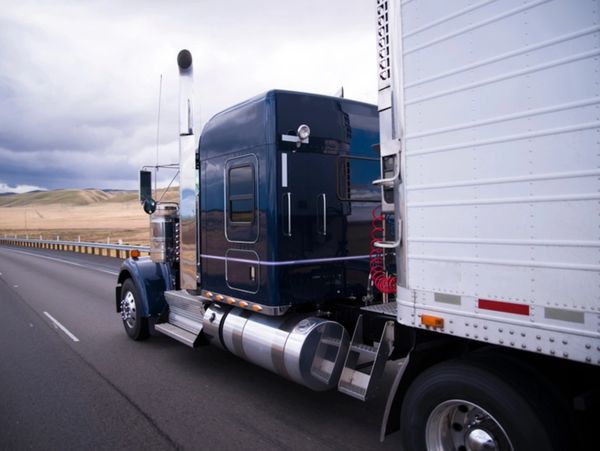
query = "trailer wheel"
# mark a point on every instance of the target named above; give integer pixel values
(464, 406)
(136, 326)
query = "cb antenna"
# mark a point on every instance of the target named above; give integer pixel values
(158, 132)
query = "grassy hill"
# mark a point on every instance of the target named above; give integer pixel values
(89, 214)
(62, 196)
(73, 197)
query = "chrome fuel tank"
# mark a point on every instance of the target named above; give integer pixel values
(305, 349)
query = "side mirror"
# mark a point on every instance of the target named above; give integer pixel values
(146, 192)
(149, 205)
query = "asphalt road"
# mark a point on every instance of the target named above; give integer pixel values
(106, 391)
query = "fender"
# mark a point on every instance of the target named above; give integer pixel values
(151, 281)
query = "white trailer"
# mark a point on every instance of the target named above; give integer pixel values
(490, 146)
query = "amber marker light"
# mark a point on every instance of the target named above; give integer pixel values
(230, 301)
(208, 294)
(243, 304)
(135, 253)
(256, 308)
(432, 321)
(219, 297)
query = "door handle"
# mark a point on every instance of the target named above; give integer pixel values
(288, 201)
(323, 198)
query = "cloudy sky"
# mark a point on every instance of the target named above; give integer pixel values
(79, 79)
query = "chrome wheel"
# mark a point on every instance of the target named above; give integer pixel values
(128, 312)
(463, 426)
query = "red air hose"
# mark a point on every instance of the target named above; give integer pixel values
(385, 284)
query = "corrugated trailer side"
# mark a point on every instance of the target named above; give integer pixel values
(498, 105)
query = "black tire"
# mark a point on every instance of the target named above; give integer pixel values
(517, 413)
(135, 325)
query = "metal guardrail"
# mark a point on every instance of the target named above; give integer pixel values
(85, 247)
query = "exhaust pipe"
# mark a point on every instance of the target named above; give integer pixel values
(188, 177)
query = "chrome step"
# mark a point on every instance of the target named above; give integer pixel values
(352, 389)
(186, 313)
(364, 363)
(185, 310)
(386, 308)
(177, 333)
(366, 350)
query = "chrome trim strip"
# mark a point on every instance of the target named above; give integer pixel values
(287, 262)
(284, 170)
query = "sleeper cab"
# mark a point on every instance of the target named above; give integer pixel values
(285, 220)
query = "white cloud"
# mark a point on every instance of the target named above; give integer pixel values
(79, 80)
(4, 188)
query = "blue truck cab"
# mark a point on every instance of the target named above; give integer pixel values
(283, 221)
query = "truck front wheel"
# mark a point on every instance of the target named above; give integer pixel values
(135, 324)
(465, 405)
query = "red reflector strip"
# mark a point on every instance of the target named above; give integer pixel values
(507, 307)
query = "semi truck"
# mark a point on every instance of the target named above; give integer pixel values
(452, 229)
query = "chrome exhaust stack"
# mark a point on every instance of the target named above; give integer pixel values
(188, 178)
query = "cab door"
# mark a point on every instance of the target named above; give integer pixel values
(311, 214)
(242, 223)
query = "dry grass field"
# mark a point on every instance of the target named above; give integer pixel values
(92, 215)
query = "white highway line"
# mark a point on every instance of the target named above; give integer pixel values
(67, 262)
(61, 327)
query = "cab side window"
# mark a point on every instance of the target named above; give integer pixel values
(241, 199)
